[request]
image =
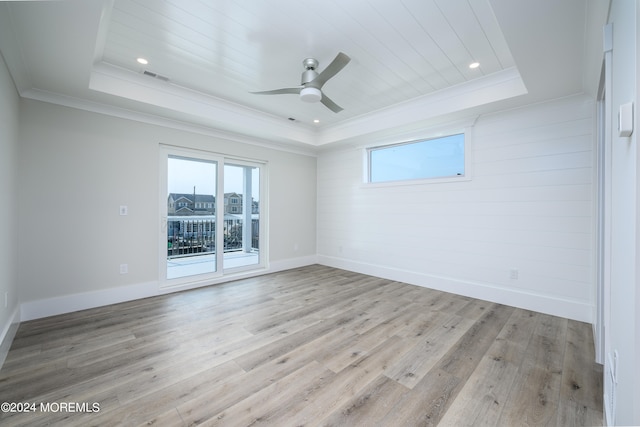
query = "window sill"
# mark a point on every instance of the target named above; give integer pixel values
(425, 181)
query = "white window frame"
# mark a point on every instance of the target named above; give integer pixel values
(221, 274)
(466, 132)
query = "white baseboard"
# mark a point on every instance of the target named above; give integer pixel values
(574, 310)
(9, 331)
(290, 263)
(31, 310)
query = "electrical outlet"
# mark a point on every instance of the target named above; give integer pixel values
(124, 210)
(124, 268)
(514, 273)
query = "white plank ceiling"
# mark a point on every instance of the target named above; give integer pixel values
(407, 56)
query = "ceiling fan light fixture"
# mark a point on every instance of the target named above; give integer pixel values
(310, 94)
(310, 89)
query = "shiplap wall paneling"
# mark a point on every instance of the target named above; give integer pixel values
(527, 207)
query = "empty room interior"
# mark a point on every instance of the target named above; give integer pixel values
(302, 212)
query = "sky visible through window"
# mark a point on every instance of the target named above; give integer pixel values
(433, 158)
(185, 174)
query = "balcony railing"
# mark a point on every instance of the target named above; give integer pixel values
(196, 235)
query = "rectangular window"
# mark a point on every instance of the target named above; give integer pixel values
(442, 157)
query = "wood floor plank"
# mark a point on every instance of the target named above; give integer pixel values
(284, 345)
(425, 407)
(367, 407)
(25, 386)
(483, 396)
(372, 313)
(136, 381)
(274, 401)
(168, 418)
(309, 346)
(344, 384)
(433, 345)
(423, 323)
(465, 355)
(133, 411)
(438, 389)
(534, 396)
(447, 302)
(579, 399)
(363, 344)
(214, 401)
(211, 402)
(473, 309)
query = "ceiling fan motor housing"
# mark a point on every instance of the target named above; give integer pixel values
(308, 76)
(310, 73)
(310, 93)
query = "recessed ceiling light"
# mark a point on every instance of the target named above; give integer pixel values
(316, 121)
(474, 65)
(142, 61)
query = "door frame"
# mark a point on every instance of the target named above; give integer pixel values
(602, 245)
(221, 274)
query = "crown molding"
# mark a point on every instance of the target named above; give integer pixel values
(451, 101)
(214, 112)
(123, 113)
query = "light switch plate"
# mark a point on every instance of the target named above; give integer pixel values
(625, 120)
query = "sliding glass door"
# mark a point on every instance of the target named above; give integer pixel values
(190, 223)
(211, 216)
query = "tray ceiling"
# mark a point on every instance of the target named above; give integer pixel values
(409, 60)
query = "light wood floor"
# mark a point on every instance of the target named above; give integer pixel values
(310, 346)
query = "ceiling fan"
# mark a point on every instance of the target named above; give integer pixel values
(310, 89)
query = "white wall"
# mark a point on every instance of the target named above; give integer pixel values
(528, 207)
(77, 168)
(9, 102)
(624, 322)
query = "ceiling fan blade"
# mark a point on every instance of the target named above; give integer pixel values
(292, 90)
(330, 104)
(338, 63)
